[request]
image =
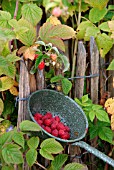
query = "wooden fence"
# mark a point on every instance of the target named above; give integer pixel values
(90, 70)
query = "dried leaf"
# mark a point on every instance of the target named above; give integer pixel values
(108, 102)
(112, 122)
(22, 50)
(13, 90)
(110, 109)
(29, 53)
(109, 105)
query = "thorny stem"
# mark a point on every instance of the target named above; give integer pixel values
(76, 42)
(40, 165)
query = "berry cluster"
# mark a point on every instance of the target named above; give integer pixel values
(53, 125)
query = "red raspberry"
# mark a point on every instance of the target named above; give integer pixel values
(48, 129)
(35, 57)
(65, 136)
(49, 115)
(67, 128)
(47, 122)
(44, 117)
(55, 132)
(57, 118)
(43, 126)
(38, 116)
(61, 126)
(61, 132)
(53, 125)
(40, 122)
(41, 65)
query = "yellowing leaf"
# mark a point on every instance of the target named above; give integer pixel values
(13, 90)
(15, 83)
(111, 27)
(112, 122)
(55, 34)
(53, 20)
(1, 106)
(97, 3)
(6, 83)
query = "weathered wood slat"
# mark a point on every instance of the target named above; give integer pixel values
(94, 59)
(40, 80)
(80, 70)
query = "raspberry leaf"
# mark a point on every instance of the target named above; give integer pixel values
(33, 142)
(18, 138)
(95, 15)
(111, 66)
(32, 13)
(27, 125)
(65, 62)
(66, 85)
(58, 161)
(55, 34)
(104, 27)
(15, 154)
(1, 106)
(31, 156)
(46, 154)
(6, 82)
(73, 166)
(97, 3)
(52, 146)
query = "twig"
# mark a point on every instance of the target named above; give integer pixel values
(16, 9)
(40, 165)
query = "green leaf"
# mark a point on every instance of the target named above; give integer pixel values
(104, 43)
(31, 157)
(96, 107)
(46, 154)
(74, 166)
(78, 101)
(81, 30)
(65, 62)
(84, 98)
(52, 146)
(95, 15)
(94, 131)
(110, 7)
(18, 138)
(32, 13)
(106, 134)
(38, 60)
(33, 70)
(1, 106)
(4, 18)
(40, 43)
(28, 37)
(7, 168)
(12, 58)
(7, 83)
(33, 142)
(27, 125)
(91, 115)
(5, 138)
(10, 7)
(91, 32)
(6, 34)
(66, 86)
(102, 116)
(55, 33)
(111, 66)
(56, 78)
(12, 154)
(97, 3)
(104, 27)
(59, 161)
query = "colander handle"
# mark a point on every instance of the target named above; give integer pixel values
(95, 152)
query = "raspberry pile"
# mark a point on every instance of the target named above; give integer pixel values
(53, 125)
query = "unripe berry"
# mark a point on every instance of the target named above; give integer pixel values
(56, 12)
